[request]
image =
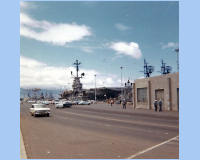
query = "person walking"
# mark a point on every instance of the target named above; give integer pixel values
(155, 105)
(160, 106)
(124, 104)
(111, 102)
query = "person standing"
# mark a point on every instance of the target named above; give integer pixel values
(155, 105)
(160, 106)
(111, 102)
(124, 104)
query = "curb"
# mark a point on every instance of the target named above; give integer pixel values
(22, 148)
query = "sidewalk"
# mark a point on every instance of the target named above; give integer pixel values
(129, 109)
(22, 148)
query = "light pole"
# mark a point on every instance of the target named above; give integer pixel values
(55, 93)
(68, 85)
(121, 79)
(95, 87)
(177, 50)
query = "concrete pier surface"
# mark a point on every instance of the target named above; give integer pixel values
(95, 132)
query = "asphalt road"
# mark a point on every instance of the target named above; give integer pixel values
(99, 131)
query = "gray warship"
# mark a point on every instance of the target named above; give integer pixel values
(102, 93)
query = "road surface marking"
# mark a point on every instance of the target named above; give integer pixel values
(106, 125)
(148, 149)
(120, 120)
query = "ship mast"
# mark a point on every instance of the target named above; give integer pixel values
(77, 69)
(77, 85)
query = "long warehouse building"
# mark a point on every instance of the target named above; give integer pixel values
(165, 88)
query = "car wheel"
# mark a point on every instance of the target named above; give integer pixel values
(47, 115)
(57, 107)
(34, 115)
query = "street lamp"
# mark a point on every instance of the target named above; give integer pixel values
(55, 93)
(95, 87)
(177, 50)
(121, 79)
(69, 85)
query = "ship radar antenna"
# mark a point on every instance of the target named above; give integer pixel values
(165, 69)
(147, 69)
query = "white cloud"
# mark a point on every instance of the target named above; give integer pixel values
(131, 49)
(87, 49)
(117, 56)
(170, 45)
(40, 75)
(123, 81)
(23, 4)
(58, 34)
(27, 5)
(122, 27)
(140, 77)
(30, 63)
(109, 81)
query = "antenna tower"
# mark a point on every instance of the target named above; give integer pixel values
(165, 69)
(147, 69)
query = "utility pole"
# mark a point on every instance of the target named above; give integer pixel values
(177, 50)
(121, 79)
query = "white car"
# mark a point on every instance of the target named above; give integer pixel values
(45, 102)
(39, 109)
(84, 103)
(63, 104)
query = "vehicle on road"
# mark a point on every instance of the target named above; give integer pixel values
(67, 104)
(57, 101)
(84, 103)
(45, 102)
(75, 102)
(39, 109)
(63, 104)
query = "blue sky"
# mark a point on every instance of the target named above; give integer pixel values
(102, 35)
(12, 50)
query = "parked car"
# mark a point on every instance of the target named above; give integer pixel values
(39, 109)
(84, 103)
(46, 102)
(67, 104)
(75, 102)
(63, 104)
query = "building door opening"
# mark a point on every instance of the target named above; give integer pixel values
(159, 94)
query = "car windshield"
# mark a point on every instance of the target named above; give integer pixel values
(40, 106)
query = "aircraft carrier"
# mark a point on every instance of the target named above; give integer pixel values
(102, 93)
